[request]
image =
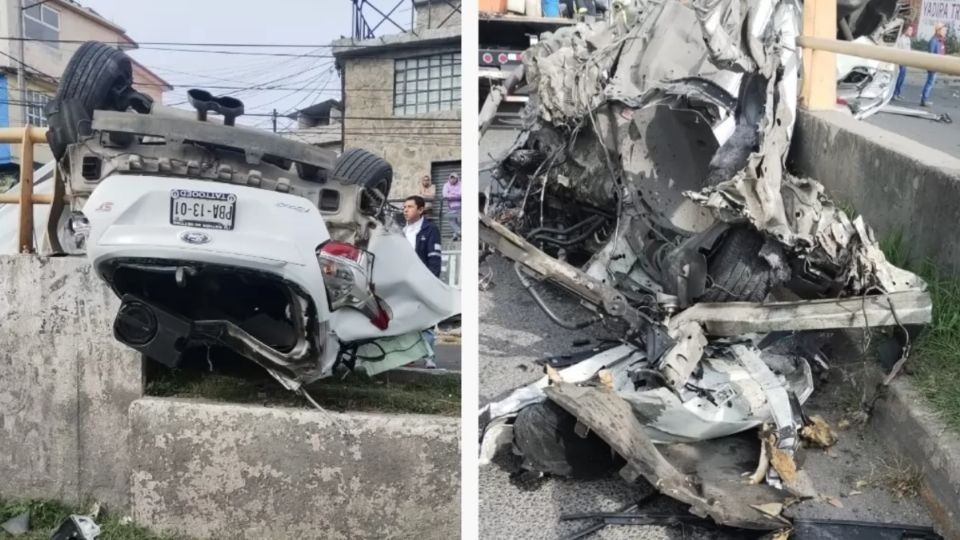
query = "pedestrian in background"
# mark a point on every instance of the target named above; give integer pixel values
(451, 198)
(905, 42)
(427, 192)
(936, 45)
(424, 236)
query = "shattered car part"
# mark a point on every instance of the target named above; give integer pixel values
(17, 525)
(649, 183)
(77, 528)
(821, 529)
(926, 115)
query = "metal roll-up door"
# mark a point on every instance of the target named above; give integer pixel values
(439, 172)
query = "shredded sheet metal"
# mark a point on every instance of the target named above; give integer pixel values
(673, 123)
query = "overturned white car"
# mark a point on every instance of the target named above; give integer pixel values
(649, 182)
(217, 235)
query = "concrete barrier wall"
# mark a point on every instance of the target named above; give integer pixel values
(74, 425)
(66, 384)
(897, 184)
(225, 471)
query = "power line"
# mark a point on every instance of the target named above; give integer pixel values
(192, 44)
(328, 74)
(236, 53)
(273, 81)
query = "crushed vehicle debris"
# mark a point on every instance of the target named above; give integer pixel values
(216, 235)
(76, 527)
(649, 183)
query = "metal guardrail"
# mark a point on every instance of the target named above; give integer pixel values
(26, 137)
(451, 262)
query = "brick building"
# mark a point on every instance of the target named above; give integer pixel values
(401, 96)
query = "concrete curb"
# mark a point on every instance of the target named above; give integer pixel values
(218, 470)
(915, 432)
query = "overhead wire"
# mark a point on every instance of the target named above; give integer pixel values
(381, 131)
(191, 43)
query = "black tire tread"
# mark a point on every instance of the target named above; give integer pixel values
(358, 166)
(544, 434)
(92, 72)
(737, 270)
(96, 75)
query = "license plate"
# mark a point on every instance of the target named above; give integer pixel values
(204, 209)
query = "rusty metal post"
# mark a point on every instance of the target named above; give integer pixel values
(819, 90)
(26, 192)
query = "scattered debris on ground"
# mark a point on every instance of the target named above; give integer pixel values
(819, 433)
(53, 520)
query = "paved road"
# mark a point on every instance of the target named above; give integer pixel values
(448, 357)
(946, 99)
(514, 333)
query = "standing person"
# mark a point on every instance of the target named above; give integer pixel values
(427, 192)
(937, 45)
(424, 236)
(451, 197)
(905, 42)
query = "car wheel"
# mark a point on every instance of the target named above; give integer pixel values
(737, 272)
(360, 167)
(544, 434)
(98, 76)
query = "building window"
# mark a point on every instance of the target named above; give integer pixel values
(426, 84)
(36, 101)
(42, 22)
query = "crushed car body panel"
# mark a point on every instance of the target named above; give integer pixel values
(649, 183)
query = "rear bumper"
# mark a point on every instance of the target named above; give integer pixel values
(163, 336)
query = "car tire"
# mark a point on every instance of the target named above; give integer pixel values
(544, 435)
(360, 167)
(96, 77)
(737, 272)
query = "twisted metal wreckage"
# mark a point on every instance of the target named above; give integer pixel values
(649, 183)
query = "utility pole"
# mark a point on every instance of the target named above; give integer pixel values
(23, 60)
(274, 120)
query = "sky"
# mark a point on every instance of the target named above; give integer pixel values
(307, 80)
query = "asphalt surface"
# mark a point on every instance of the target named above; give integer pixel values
(945, 99)
(514, 333)
(448, 357)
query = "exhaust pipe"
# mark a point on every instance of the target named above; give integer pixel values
(201, 100)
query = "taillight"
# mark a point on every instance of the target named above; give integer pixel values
(347, 272)
(342, 249)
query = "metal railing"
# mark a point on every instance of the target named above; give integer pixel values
(26, 137)
(819, 91)
(450, 267)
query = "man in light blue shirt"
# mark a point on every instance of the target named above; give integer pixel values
(937, 45)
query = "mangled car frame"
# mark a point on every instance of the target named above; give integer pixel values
(649, 184)
(220, 236)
